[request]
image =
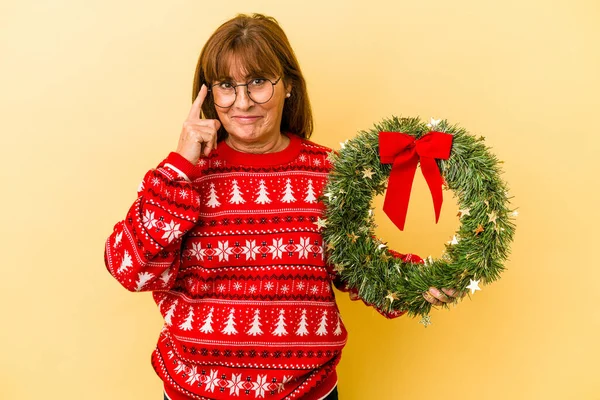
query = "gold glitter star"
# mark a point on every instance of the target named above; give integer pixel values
(425, 320)
(368, 173)
(353, 237)
(331, 157)
(320, 223)
(453, 241)
(330, 246)
(478, 230)
(462, 213)
(391, 296)
(338, 268)
(493, 216)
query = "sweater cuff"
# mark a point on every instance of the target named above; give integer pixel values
(182, 166)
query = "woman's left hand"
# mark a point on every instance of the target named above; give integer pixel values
(437, 297)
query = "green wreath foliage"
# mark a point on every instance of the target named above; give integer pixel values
(472, 172)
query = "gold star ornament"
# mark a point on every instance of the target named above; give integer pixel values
(320, 223)
(391, 297)
(493, 216)
(353, 237)
(368, 173)
(338, 268)
(462, 213)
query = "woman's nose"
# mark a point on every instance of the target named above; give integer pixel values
(242, 100)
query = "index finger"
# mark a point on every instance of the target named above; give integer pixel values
(196, 109)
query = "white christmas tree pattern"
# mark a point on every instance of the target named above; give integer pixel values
(288, 194)
(263, 194)
(170, 313)
(255, 326)
(207, 327)
(165, 276)
(236, 194)
(143, 278)
(187, 324)
(302, 331)
(118, 239)
(323, 325)
(280, 326)
(213, 199)
(126, 262)
(338, 327)
(310, 193)
(229, 328)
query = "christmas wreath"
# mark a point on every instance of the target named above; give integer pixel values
(386, 157)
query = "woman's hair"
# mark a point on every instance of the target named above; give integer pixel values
(258, 45)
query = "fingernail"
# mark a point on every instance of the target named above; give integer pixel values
(434, 291)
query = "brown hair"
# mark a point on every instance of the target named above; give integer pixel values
(261, 47)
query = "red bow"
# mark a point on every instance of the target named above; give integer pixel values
(404, 152)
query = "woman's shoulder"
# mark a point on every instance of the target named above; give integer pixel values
(314, 146)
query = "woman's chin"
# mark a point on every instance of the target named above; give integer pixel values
(248, 134)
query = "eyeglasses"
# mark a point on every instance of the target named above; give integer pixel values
(260, 90)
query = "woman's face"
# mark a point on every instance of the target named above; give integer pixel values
(250, 122)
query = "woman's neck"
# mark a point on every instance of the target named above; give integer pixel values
(278, 143)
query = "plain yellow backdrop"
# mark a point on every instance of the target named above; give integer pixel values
(93, 94)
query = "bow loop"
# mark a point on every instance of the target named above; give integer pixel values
(404, 152)
(435, 145)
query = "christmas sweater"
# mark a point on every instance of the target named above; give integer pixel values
(232, 252)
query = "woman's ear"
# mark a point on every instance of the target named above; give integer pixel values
(288, 89)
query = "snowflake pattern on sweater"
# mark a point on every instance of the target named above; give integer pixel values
(231, 250)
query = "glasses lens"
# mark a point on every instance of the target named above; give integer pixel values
(224, 94)
(260, 90)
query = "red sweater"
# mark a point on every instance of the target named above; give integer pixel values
(231, 250)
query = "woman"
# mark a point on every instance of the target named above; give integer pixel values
(224, 232)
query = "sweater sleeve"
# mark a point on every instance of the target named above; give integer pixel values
(143, 252)
(353, 292)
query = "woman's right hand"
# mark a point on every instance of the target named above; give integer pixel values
(198, 136)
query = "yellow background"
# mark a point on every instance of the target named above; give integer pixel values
(93, 94)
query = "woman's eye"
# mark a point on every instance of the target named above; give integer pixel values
(257, 82)
(225, 85)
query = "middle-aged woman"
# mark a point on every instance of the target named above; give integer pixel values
(224, 232)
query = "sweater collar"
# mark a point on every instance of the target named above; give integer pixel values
(285, 156)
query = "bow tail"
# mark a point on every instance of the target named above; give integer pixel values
(434, 181)
(399, 187)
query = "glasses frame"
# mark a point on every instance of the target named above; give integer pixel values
(236, 85)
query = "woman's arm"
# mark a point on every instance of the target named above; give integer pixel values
(144, 250)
